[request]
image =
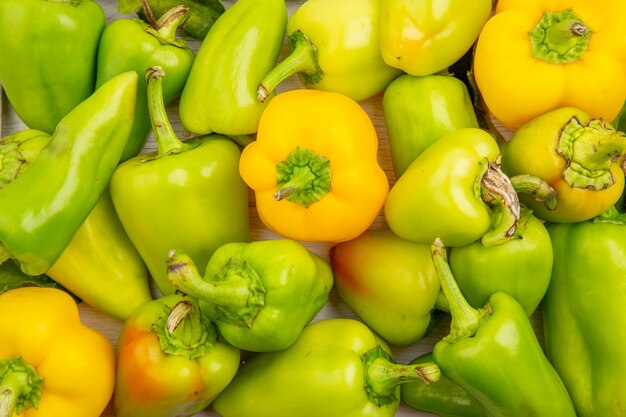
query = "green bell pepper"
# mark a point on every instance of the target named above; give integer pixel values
(42, 209)
(260, 294)
(521, 267)
(335, 47)
(237, 52)
(420, 110)
(337, 368)
(132, 45)
(186, 195)
(48, 56)
(389, 282)
(493, 353)
(171, 361)
(583, 312)
(100, 265)
(444, 398)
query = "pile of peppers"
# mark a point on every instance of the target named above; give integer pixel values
(496, 202)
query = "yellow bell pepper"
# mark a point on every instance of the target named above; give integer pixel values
(314, 167)
(533, 56)
(51, 365)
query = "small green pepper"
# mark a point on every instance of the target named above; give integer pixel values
(337, 368)
(420, 110)
(42, 209)
(186, 195)
(237, 52)
(583, 312)
(444, 398)
(171, 361)
(48, 56)
(260, 294)
(335, 47)
(493, 353)
(132, 45)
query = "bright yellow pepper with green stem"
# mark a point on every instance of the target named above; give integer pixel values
(422, 37)
(51, 364)
(534, 56)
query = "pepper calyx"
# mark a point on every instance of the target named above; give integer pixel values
(560, 37)
(383, 375)
(589, 150)
(303, 178)
(20, 386)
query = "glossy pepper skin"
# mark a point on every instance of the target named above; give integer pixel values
(419, 111)
(444, 398)
(48, 57)
(389, 282)
(100, 265)
(536, 56)
(51, 364)
(237, 52)
(314, 168)
(186, 195)
(335, 47)
(171, 361)
(493, 353)
(132, 45)
(423, 37)
(575, 306)
(579, 156)
(337, 368)
(41, 210)
(447, 192)
(521, 267)
(259, 294)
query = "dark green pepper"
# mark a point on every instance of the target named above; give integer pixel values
(337, 368)
(48, 56)
(132, 45)
(186, 195)
(260, 294)
(420, 110)
(521, 267)
(583, 312)
(237, 52)
(444, 398)
(493, 353)
(41, 210)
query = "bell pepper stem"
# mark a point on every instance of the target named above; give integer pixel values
(382, 375)
(20, 386)
(149, 14)
(498, 192)
(538, 189)
(560, 37)
(465, 318)
(303, 178)
(167, 141)
(302, 60)
(236, 290)
(168, 23)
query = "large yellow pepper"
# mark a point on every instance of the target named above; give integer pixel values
(51, 365)
(314, 167)
(533, 56)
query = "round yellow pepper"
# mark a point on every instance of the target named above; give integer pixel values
(51, 365)
(533, 56)
(314, 167)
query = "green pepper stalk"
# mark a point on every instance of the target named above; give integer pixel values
(187, 195)
(20, 386)
(42, 209)
(260, 294)
(337, 368)
(583, 318)
(187, 366)
(18, 150)
(131, 44)
(493, 353)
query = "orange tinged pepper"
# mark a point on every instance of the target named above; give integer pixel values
(314, 167)
(533, 56)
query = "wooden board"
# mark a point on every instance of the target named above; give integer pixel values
(10, 123)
